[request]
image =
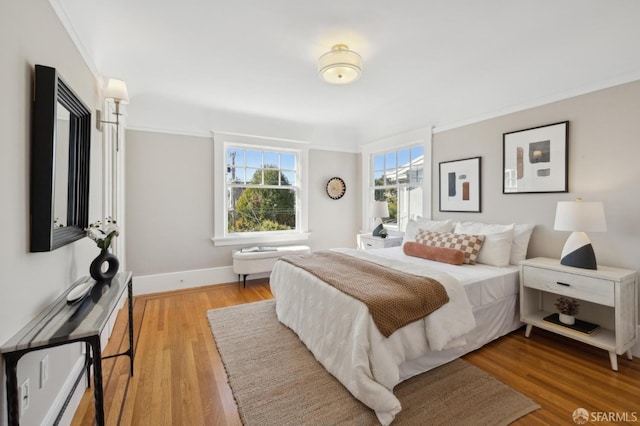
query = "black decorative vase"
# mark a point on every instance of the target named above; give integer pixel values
(96, 270)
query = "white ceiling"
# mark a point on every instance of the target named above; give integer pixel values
(425, 63)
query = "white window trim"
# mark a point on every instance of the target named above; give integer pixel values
(396, 143)
(220, 142)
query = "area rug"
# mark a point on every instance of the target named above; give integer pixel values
(277, 381)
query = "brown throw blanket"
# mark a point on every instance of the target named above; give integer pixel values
(394, 298)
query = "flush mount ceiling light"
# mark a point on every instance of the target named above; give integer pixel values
(340, 66)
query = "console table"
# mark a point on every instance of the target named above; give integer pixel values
(63, 323)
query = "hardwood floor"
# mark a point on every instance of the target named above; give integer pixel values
(180, 380)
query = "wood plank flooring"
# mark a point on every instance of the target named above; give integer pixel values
(180, 380)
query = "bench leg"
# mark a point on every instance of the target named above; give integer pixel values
(244, 280)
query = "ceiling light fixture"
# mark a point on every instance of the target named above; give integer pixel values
(340, 66)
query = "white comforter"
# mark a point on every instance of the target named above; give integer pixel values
(340, 333)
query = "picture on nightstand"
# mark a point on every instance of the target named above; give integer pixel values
(580, 326)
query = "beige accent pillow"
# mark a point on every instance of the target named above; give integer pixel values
(470, 245)
(439, 254)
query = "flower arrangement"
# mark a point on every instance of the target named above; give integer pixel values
(103, 234)
(567, 306)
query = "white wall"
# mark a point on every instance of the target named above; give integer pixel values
(30, 33)
(170, 205)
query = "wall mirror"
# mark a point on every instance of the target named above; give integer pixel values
(60, 148)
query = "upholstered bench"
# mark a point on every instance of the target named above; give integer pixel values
(261, 259)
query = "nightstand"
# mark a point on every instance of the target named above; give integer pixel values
(608, 297)
(368, 241)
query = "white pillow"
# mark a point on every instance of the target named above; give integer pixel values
(496, 249)
(428, 225)
(521, 236)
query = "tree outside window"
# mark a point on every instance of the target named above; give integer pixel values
(261, 191)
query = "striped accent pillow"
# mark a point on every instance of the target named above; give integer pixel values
(470, 245)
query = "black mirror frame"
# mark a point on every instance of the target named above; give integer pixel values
(49, 90)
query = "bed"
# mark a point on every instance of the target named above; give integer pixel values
(482, 307)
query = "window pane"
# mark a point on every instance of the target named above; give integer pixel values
(254, 159)
(254, 176)
(378, 178)
(288, 178)
(271, 177)
(409, 205)
(378, 162)
(416, 174)
(231, 174)
(235, 157)
(287, 161)
(404, 158)
(390, 177)
(417, 152)
(391, 197)
(271, 160)
(390, 161)
(263, 209)
(240, 175)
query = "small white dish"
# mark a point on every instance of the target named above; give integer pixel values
(80, 291)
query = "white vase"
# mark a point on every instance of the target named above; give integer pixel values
(567, 319)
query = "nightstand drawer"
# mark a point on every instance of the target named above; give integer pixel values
(370, 242)
(591, 289)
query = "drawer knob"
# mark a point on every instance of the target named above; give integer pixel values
(564, 284)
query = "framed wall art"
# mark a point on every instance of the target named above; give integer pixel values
(460, 185)
(536, 159)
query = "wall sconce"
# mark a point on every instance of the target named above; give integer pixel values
(580, 217)
(116, 90)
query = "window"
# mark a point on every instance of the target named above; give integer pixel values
(260, 194)
(397, 177)
(261, 190)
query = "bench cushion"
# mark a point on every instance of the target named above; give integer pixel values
(254, 262)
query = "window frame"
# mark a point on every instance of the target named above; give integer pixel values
(395, 144)
(222, 237)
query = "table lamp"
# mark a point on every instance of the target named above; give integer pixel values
(380, 210)
(580, 217)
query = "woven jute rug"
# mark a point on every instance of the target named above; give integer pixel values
(277, 381)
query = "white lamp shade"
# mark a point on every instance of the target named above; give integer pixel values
(340, 66)
(116, 90)
(380, 209)
(580, 216)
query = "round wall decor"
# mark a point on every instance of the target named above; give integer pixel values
(336, 188)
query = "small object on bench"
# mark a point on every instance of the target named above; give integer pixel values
(255, 260)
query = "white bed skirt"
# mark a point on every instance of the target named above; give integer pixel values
(494, 320)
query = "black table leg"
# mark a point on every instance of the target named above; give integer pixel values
(13, 402)
(87, 362)
(96, 351)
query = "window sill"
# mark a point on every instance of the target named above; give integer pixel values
(260, 239)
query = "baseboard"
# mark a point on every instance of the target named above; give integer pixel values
(75, 399)
(182, 280)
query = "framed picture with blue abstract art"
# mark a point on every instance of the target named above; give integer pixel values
(460, 185)
(536, 159)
